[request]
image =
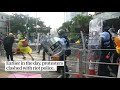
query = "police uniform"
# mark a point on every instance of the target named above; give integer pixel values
(105, 44)
(62, 57)
(64, 41)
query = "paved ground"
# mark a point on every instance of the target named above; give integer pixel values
(37, 57)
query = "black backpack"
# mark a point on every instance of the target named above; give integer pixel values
(8, 41)
(68, 51)
(112, 45)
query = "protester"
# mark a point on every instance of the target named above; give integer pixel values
(8, 43)
(43, 53)
(24, 48)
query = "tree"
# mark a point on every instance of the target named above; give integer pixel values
(66, 26)
(81, 23)
(17, 23)
(77, 24)
(25, 23)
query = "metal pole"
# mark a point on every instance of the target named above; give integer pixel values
(38, 37)
(36, 22)
(49, 37)
(36, 32)
(27, 27)
(84, 52)
(9, 24)
(64, 17)
(7, 30)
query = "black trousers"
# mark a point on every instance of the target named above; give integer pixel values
(9, 52)
(63, 68)
(44, 54)
(39, 48)
(103, 69)
(115, 60)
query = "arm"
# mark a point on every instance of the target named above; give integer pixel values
(12, 39)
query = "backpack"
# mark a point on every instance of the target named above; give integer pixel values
(68, 51)
(25, 43)
(7, 41)
(112, 44)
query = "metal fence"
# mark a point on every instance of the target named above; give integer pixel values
(81, 59)
(88, 61)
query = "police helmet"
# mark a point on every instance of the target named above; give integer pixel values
(106, 28)
(62, 33)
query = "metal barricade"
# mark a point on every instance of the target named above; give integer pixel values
(79, 51)
(96, 63)
(87, 60)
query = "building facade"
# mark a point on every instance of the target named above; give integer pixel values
(3, 26)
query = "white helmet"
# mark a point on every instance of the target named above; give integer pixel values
(10, 34)
(118, 31)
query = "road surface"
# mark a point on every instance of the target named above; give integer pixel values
(37, 57)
